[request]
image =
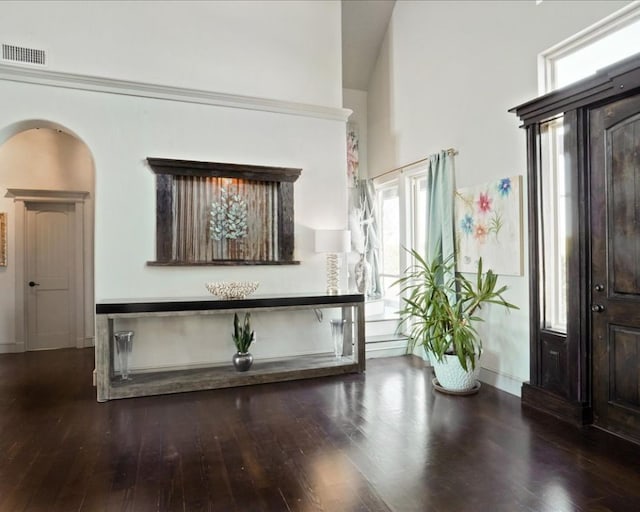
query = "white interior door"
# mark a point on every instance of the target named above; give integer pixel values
(49, 285)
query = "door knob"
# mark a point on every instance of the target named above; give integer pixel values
(597, 308)
(598, 287)
(32, 284)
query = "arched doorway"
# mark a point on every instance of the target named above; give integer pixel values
(47, 182)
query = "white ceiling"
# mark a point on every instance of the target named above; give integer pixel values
(364, 24)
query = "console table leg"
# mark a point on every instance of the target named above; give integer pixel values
(360, 336)
(347, 340)
(102, 358)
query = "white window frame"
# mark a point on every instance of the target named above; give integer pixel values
(555, 309)
(606, 26)
(405, 180)
(392, 182)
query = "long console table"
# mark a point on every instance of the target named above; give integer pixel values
(219, 375)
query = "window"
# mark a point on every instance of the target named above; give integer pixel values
(402, 207)
(554, 218)
(389, 212)
(605, 43)
(418, 209)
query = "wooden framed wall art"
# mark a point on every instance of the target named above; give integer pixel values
(210, 213)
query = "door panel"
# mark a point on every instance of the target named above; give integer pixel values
(49, 263)
(615, 265)
(623, 201)
(623, 361)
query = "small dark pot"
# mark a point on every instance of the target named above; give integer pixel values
(242, 361)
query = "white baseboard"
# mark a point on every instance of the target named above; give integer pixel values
(11, 348)
(501, 381)
(373, 352)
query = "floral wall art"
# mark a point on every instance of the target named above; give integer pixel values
(353, 156)
(488, 225)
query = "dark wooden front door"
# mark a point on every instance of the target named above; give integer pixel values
(615, 260)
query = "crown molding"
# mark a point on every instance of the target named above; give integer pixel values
(28, 194)
(165, 92)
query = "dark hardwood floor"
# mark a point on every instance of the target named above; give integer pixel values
(375, 442)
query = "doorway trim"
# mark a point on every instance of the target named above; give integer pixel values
(82, 307)
(561, 364)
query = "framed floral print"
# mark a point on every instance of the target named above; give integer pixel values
(488, 225)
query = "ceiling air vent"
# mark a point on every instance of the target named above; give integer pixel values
(22, 55)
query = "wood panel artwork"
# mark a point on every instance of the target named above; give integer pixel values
(223, 214)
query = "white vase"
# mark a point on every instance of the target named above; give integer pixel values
(362, 272)
(450, 374)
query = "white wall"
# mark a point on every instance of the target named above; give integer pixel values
(279, 50)
(447, 73)
(37, 159)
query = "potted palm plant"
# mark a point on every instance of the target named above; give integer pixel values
(439, 311)
(242, 336)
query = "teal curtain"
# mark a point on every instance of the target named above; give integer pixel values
(440, 238)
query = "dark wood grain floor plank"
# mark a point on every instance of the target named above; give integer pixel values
(379, 442)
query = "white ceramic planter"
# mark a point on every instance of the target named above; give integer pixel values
(451, 376)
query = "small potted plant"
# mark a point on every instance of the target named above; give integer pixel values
(438, 308)
(242, 336)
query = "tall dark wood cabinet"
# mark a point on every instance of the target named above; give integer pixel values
(583, 146)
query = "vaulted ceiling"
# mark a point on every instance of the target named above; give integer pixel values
(364, 25)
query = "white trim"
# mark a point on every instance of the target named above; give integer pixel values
(20, 264)
(84, 342)
(47, 196)
(375, 352)
(78, 281)
(166, 92)
(613, 22)
(503, 382)
(11, 348)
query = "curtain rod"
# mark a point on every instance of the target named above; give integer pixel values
(450, 151)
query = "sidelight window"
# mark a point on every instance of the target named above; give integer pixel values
(554, 219)
(609, 41)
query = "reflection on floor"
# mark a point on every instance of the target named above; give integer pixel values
(375, 442)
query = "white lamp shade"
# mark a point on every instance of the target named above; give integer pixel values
(332, 240)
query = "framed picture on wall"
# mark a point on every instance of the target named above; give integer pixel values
(353, 154)
(3, 239)
(488, 225)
